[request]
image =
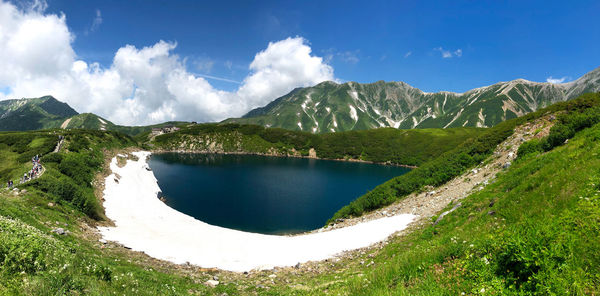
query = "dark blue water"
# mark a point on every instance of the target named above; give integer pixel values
(263, 194)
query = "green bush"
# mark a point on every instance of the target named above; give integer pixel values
(531, 146)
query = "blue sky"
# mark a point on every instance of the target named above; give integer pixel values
(367, 41)
(142, 62)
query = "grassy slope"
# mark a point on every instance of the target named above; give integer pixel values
(542, 238)
(407, 147)
(34, 261)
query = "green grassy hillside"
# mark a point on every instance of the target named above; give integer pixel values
(33, 114)
(535, 230)
(406, 147)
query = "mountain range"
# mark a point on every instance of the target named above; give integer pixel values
(47, 112)
(332, 107)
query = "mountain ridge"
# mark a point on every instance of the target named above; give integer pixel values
(330, 107)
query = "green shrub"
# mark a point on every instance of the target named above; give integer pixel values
(531, 146)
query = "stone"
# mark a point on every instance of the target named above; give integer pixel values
(456, 206)
(24, 191)
(298, 265)
(50, 204)
(491, 213)
(211, 283)
(103, 241)
(272, 276)
(216, 278)
(59, 231)
(506, 165)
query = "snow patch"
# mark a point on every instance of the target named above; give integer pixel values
(353, 113)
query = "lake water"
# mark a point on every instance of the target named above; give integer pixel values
(273, 195)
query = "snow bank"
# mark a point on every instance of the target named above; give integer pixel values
(144, 223)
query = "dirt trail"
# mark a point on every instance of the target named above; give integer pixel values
(65, 123)
(427, 204)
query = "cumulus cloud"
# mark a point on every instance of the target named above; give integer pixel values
(556, 80)
(446, 54)
(142, 85)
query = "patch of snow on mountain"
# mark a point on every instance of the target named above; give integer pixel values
(353, 113)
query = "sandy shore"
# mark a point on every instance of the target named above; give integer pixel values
(144, 223)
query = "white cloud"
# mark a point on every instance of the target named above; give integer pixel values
(228, 64)
(349, 56)
(556, 80)
(446, 54)
(143, 85)
(204, 65)
(407, 54)
(97, 21)
(283, 66)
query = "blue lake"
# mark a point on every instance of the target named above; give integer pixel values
(273, 195)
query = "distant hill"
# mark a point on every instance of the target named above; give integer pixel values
(32, 114)
(329, 107)
(47, 112)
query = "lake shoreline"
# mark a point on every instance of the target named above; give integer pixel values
(278, 155)
(144, 223)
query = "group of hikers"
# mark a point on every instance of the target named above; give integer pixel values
(35, 171)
